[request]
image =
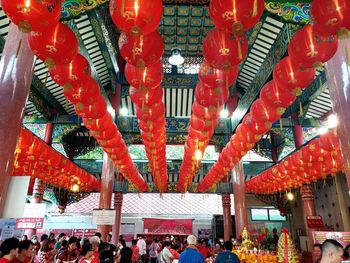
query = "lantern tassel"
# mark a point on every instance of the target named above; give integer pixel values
(281, 124)
(18, 47)
(240, 56)
(255, 8)
(324, 183)
(46, 78)
(122, 8)
(301, 108)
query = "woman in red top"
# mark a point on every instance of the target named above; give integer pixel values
(204, 249)
(135, 251)
(9, 250)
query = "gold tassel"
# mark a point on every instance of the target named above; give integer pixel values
(281, 124)
(134, 51)
(255, 8)
(301, 108)
(122, 8)
(18, 47)
(258, 147)
(46, 78)
(240, 56)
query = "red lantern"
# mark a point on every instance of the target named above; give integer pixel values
(217, 78)
(149, 77)
(316, 150)
(309, 50)
(329, 141)
(245, 134)
(102, 123)
(85, 92)
(240, 146)
(151, 125)
(150, 112)
(71, 74)
(144, 96)
(330, 15)
(273, 96)
(25, 139)
(95, 110)
(142, 51)
(207, 96)
(139, 17)
(254, 126)
(236, 16)
(287, 75)
(263, 113)
(211, 112)
(55, 47)
(223, 51)
(32, 15)
(203, 125)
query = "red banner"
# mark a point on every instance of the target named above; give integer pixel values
(314, 221)
(167, 226)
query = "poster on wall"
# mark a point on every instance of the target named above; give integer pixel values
(342, 237)
(127, 230)
(8, 229)
(205, 233)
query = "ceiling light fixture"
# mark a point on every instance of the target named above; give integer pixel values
(176, 59)
(290, 196)
(75, 188)
(224, 114)
(198, 155)
(332, 121)
(123, 111)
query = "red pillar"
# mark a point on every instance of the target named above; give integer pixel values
(338, 77)
(226, 209)
(239, 199)
(16, 69)
(298, 131)
(107, 183)
(39, 185)
(273, 148)
(118, 203)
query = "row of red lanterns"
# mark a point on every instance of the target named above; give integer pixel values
(223, 48)
(37, 159)
(56, 44)
(310, 163)
(142, 46)
(308, 50)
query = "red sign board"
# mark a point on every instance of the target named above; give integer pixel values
(84, 233)
(27, 223)
(314, 221)
(167, 226)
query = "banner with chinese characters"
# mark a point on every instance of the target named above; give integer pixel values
(167, 226)
(342, 237)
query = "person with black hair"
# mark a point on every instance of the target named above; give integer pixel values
(227, 256)
(24, 237)
(153, 250)
(109, 238)
(332, 251)
(98, 234)
(347, 252)
(70, 254)
(9, 250)
(135, 251)
(106, 256)
(60, 238)
(25, 252)
(43, 238)
(317, 253)
(126, 255)
(166, 256)
(86, 253)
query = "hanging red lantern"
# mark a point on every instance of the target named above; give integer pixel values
(33, 15)
(246, 135)
(150, 112)
(102, 123)
(144, 96)
(149, 77)
(200, 134)
(25, 140)
(55, 47)
(211, 112)
(254, 126)
(240, 146)
(151, 125)
(137, 17)
(287, 75)
(95, 110)
(217, 78)
(223, 51)
(329, 141)
(202, 125)
(264, 113)
(142, 51)
(71, 74)
(309, 50)
(207, 96)
(330, 16)
(84, 92)
(236, 16)
(316, 150)
(273, 96)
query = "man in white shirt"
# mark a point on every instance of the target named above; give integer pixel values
(166, 256)
(141, 244)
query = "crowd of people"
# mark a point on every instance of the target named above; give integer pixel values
(169, 250)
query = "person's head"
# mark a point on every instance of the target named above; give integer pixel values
(52, 236)
(26, 248)
(46, 246)
(217, 246)
(133, 242)
(64, 244)
(228, 245)
(86, 251)
(104, 246)
(72, 243)
(155, 240)
(98, 234)
(109, 237)
(106, 256)
(44, 237)
(126, 255)
(24, 237)
(95, 242)
(332, 251)
(167, 244)
(168, 238)
(347, 252)
(34, 239)
(61, 237)
(317, 251)
(191, 240)
(9, 248)
(121, 237)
